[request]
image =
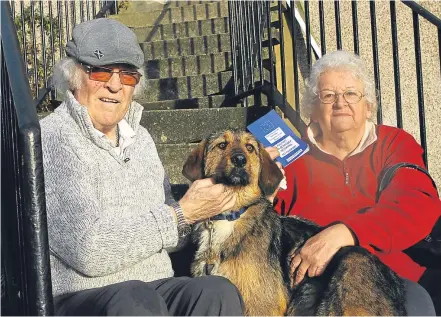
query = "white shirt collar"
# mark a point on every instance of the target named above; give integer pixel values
(369, 137)
(126, 136)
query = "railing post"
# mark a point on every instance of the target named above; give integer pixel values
(375, 59)
(420, 88)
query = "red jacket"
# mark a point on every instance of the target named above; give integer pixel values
(324, 189)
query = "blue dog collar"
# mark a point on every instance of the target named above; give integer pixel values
(230, 217)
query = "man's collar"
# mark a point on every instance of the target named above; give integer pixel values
(125, 130)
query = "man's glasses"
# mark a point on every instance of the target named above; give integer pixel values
(100, 73)
(330, 96)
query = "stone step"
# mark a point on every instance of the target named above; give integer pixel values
(188, 87)
(209, 44)
(185, 87)
(203, 11)
(173, 157)
(190, 65)
(214, 101)
(192, 125)
(183, 29)
(142, 6)
(148, 6)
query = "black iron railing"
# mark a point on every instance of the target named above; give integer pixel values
(26, 278)
(417, 12)
(305, 46)
(44, 27)
(252, 39)
(248, 22)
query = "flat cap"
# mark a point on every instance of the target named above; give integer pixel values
(104, 41)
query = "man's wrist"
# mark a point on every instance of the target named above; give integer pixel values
(184, 228)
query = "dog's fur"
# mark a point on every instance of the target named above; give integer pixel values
(252, 251)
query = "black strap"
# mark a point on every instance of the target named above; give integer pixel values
(390, 172)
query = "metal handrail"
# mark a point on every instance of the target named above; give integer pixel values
(25, 256)
(423, 12)
(418, 10)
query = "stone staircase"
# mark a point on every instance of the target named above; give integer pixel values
(188, 74)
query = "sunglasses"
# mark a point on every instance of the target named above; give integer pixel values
(100, 73)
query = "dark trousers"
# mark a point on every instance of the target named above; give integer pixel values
(181, 296)
(431, 281)
(418, 301)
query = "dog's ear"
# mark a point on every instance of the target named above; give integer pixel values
(270, 174)
(194, 166)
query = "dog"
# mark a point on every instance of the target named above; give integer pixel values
(250, 245)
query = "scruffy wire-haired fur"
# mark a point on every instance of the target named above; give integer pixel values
(338, 60)
(252, 251)
(67, 75)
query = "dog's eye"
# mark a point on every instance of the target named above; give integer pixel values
(250, 148)
(222, 145)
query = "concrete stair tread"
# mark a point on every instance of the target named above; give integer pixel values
(188, 87)
(173, 156)
(182, 29)
(195, 12)
(185, 87)
(148, 6)
(265, 55)
(214, 101)
(191, 125)
(189, 65)
(199, 45)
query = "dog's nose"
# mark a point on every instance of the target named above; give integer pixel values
(239, 160)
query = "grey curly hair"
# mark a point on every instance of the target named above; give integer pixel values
(338, 60)
(67, 76)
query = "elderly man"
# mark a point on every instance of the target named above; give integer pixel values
(111, 216)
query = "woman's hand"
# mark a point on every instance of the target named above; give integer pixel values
(318, 251)
(205, 199)
(274, 153)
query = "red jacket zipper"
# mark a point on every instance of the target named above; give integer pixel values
(346, 174)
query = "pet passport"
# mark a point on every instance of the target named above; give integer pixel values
(271, 130)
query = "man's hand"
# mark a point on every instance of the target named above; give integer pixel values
(318, 251)
(205, 199)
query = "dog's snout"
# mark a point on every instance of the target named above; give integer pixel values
(239, 160)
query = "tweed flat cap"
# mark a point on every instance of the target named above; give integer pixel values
(104, 41)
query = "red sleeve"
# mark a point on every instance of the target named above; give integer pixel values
(407, 208)
(288, 201)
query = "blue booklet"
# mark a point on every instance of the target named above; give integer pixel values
(271, 130)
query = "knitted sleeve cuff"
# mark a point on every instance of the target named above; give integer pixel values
(167, 226)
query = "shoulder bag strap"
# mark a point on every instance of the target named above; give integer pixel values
(390, 172)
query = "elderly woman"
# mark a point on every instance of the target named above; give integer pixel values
(335, 183)
(111, 217)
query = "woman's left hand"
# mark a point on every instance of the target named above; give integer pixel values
(318, 251)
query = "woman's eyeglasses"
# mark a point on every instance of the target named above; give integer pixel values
(330, 96)
(100, 73)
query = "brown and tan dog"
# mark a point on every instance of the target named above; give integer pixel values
(250, 244)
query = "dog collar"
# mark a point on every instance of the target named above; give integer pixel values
(230, 217)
